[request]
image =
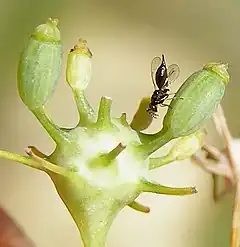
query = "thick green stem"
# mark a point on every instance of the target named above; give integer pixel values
(155, 142)
(139, 207)
(86, 112)
(147, 186)
(161, 161)
(57, 134)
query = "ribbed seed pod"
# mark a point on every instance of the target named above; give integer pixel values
(196, 100)
(39, 65)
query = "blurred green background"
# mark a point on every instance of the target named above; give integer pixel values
(124, 36)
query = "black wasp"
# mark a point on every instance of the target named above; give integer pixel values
(162, 77)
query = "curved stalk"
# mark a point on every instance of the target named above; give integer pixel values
(57, 134)
(86, 112)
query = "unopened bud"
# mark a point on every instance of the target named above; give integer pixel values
(39, 65)
(196, 100)
(79, 66)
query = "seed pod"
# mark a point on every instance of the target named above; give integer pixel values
(79, 66)
(39, 65)
(196, 100)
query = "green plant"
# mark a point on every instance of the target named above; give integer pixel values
(103, 164)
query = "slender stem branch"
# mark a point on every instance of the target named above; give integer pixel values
(214, 153)
(222, 127)
(228, 187)
(53, 130)
(86, 112)
(161, 161)
(139, 207)
(39, 164)
(31, 150)
(235, 234)
(21, 159)
(220, 168)
(147, 186)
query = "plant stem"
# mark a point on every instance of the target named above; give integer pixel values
(139, 207)
(21, 159)
(220, 168)
(86, 112)
(222, 127)
(39, 164)
(235, 233)
(157, 141)
(147, 186)
(53, 130)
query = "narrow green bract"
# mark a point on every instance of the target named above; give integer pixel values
(196, 100)
(39, 65)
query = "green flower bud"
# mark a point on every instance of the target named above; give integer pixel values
(186, 146)
(79, 66)
(196, 100)
(39, 65)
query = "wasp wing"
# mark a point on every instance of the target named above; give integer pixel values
(154, 66)
(173, 73)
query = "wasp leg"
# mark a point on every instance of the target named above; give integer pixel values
(174, 98)
(153, 114)
(165, 105)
